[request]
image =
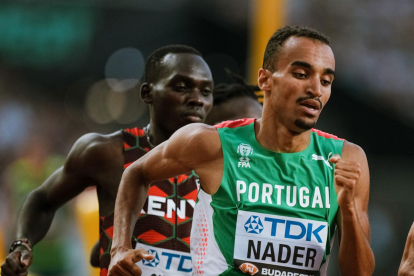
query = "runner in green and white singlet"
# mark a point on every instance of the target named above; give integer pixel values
(273, 189)
(274, 212)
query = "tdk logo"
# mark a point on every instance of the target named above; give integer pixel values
(300, 229)
(185, 261)
(154, 262)
(288, 229)
(169, 261)
(254, 225)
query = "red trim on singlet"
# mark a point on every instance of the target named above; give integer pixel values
(135, 131)
(236, 123)
(326, 135)
(127, 165)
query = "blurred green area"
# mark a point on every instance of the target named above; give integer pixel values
(45, 35)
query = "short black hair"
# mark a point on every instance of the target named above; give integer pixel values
(281, 35)
(153, 63)
(223, 92)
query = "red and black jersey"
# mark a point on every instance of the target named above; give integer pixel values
(166, 218)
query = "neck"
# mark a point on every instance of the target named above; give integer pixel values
(274, 136)
(157, 135)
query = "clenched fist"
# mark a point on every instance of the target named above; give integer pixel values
(17, 262)
(347, 174)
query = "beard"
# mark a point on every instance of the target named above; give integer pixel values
(304, 125)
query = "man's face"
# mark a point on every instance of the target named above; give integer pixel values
(301, 84)
(182, 93)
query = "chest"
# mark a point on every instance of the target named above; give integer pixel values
(290, 181)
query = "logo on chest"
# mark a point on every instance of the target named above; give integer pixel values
(321, 158)
(245, 150)
(254, 225)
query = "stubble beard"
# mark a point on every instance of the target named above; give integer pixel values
(304, 125)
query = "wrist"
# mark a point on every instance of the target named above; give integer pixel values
(118, 249)
(21, 243)
(348, 212)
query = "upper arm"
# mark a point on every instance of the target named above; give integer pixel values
(77, 173)
(193, 147)
(354, 153)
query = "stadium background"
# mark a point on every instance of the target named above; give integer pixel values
(72, 67)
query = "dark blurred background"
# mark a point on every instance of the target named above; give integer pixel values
(72, 67)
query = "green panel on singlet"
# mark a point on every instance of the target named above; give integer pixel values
(275, 210)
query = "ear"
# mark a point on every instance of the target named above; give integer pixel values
(264, 79)
(146, 94)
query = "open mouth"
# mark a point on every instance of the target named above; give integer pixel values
(311, 104)
(310, 107)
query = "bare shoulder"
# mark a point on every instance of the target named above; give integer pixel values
(94, 150)
(353, 152)
(194, 144)
(193, 147)
(195, 134)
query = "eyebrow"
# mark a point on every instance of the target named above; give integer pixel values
(191, 80)
(329, 71)
(307, 65)
(302, 64)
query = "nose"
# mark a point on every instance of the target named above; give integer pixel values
(314, 87)
(194, 98)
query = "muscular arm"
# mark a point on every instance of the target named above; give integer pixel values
(352, 186)
(64, 184)
(38, 210)
(193, 147)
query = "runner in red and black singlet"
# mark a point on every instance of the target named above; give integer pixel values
(178, 89)
(158, 228)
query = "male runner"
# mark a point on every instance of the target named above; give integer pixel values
(234, 101)
(178, 89)
(273, 189)
(230, 101)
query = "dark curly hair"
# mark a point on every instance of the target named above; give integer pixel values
(153, 63)
(280, 36)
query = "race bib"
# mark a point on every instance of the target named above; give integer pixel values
(278, 245)
(166, 262)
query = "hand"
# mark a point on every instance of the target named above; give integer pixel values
(123, 263)
(17, 262)
(407, 262)
(347, 174)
